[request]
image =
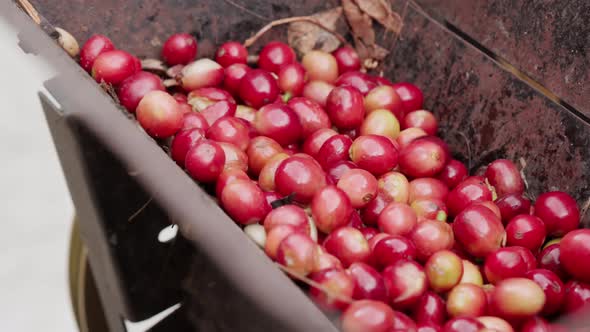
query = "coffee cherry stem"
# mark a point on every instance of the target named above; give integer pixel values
(286, 97)
(469, 155)
(523, 165)
(138, 212)
(441, 216)
(30, 10)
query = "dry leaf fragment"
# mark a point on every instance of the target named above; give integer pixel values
(380, 10)
(361, 26)
(305, 36)
(364, 35)
(378, 52)
(360, 23)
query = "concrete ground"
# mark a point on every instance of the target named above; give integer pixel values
(36, 208)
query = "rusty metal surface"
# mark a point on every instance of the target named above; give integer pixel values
(491, 113)
(215, 304)
(141, 26)
(200, 219)
(499, 115)
(548, 40)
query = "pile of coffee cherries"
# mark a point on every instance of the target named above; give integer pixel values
(340, 178)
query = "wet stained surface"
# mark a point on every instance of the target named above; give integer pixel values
(213, 299)
(141, 27)
(490, 112)
(549, 40)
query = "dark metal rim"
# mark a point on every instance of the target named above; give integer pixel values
(84, 298)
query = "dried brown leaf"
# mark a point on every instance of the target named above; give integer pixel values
(380, 10)
(360, 23)
(375, 54)
(305, 36)
(364, 35)
(361, 26)
(378, 52)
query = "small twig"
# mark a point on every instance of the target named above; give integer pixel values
(237, 5)
(286, 20)
(110, 90)
(31, 11)
(314, 284)
(403, 17)
(404, 12)
(585, 208)
(133, 216)
(469, 156)
(527, 191)
(522, 175)
(492, 189)
(65, 39)
(42, 22)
